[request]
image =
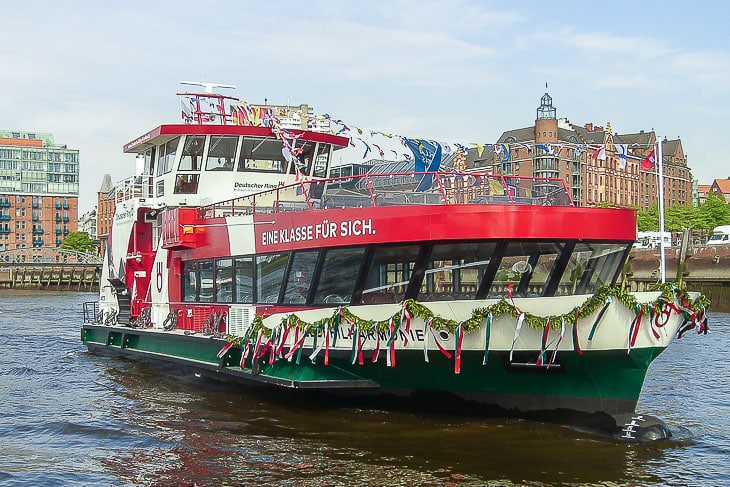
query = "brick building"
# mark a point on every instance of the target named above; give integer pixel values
(598, 165)
(105, 207)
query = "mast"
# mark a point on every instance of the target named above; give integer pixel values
(662, 246)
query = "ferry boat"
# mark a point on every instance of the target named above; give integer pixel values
(235, 253)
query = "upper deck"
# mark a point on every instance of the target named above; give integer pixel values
(397, 189)
(226, 148)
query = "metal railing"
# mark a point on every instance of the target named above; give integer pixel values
(397, 189)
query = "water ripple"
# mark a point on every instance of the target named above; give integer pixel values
(68, 417)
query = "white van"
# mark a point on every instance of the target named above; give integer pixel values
(720, 236)
(652, 240)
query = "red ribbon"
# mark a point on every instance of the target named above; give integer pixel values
(446, 353)
(377, 348)
(225, 349)
(326, 345)
(459, 341)
(637, 324)
(576, 345)
(283, 340)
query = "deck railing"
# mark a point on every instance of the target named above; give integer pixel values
(397, 189)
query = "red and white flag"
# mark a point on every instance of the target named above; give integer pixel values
(649, 161)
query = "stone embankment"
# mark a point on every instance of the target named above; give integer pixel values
(76, 277)
(705, 269)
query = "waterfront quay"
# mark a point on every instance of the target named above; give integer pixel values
(705, 270)
(49, 268)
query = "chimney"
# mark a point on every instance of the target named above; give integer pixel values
(589, 127)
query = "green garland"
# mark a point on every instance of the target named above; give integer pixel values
(669, 292)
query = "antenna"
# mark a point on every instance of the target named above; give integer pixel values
(207, 87)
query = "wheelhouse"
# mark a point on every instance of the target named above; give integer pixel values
(218, 154)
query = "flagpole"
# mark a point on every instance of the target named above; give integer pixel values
(662, 246)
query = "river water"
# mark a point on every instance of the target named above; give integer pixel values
(68, 417)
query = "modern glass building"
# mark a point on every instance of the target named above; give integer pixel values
(39, 189)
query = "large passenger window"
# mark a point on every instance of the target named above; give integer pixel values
(205, 268)
(455, 271)
(270, 275)
(389, 273)
(244, 280)
(526, 266)
(224, 280)
(190, 281)
(339, 274)
(593, 265)
(300, 277)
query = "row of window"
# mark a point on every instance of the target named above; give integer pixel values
(391, 273)
(229, 153)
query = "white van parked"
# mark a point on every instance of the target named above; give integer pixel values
(720, 236)
(652, 240)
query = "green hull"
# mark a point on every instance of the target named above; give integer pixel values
(607, 381)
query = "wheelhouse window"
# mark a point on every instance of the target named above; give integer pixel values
(261, 155)
(166, 156)
(305, 157)
(192, 156)
(321, 160)
(221, 154)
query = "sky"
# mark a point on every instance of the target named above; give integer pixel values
(98, 74)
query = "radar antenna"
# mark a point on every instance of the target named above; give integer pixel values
(207, 87)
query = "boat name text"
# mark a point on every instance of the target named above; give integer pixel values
(239, 186)
(319, 231)
(123, 215)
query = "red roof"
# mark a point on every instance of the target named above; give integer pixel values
(723, 184)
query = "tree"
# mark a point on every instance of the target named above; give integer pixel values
(710, 214)
(714, 212)
(80, 242)
(648, 220)
(677, 218)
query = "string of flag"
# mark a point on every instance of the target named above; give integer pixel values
(243, 113)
